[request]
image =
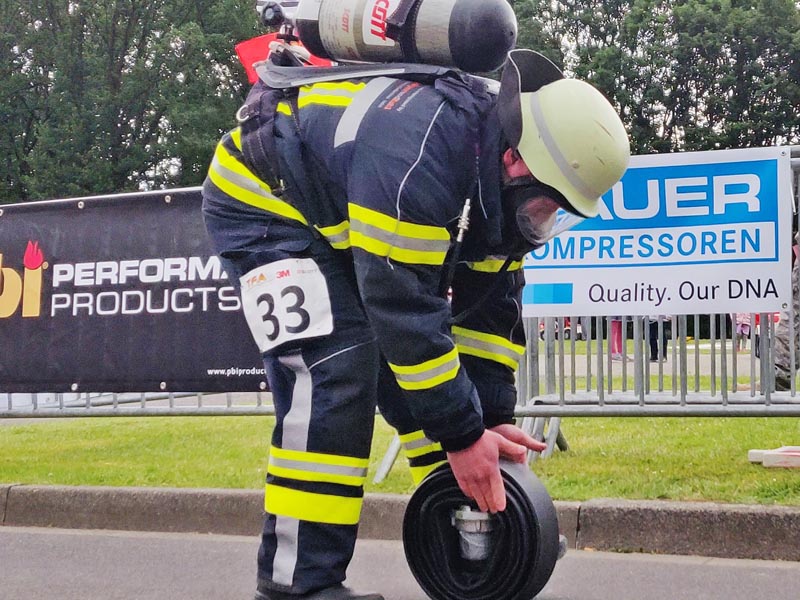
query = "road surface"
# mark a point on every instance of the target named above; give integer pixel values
(43, 564)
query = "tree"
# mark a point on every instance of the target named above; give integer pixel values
(737, 72)
(685, 74)
(106, 96)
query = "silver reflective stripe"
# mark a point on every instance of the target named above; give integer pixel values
(295, 437)
(242, 182)
(300, 465)
(552, 148)
(398, 241)
(427, 374)
(420, 443)
(338, 238)
(348, 125)
(487, 346)
(298, 419)
(285, 561)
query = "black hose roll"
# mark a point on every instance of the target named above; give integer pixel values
(523, 546)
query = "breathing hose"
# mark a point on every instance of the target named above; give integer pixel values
(522, 542)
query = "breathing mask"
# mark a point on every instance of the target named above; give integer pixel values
(534, 214)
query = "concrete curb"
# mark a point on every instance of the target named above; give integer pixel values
(704, 529)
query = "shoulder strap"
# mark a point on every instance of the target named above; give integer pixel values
(256, 118)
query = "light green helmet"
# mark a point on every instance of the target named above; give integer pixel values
(565, 130)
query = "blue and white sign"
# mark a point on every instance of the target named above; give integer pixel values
(695, 232)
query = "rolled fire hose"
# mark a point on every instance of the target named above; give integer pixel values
(456, 552)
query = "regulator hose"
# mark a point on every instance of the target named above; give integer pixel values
(524, 540)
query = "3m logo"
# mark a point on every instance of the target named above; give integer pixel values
(26, 288)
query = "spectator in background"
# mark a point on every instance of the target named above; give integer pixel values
(666, 321)
(742, 321)
(616, 338)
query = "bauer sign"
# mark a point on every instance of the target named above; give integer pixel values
(696, 232)
(118, 293)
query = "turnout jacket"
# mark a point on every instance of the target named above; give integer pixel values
(381, 169)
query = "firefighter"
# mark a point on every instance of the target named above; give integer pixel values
(337, 217)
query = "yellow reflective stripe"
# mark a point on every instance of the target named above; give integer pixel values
(420, 473)
(493, 265)
(289, 473)
(284, 108)
(489, 346)
(236, 136)
(334, 93)
(402, 241)
(417, 443)
(422, 450)
(308, 506)
(428, 374)
(237, 181)
(412, 437)
(304, 101)
(338, 236)
(313, 466)
(318, 457)
(335, 86)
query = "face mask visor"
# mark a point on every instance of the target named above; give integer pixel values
(540, 219)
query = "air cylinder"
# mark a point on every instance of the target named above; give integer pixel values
(471, 35)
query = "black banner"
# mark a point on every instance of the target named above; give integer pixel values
(118, 293)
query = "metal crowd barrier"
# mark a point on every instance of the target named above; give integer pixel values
(573, 374)
(172, 404)
(701, 376)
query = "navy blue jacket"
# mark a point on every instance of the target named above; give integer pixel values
(381, 168)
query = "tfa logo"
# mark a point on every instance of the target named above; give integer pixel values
(261, 277)
(380, 11)
(26, 288)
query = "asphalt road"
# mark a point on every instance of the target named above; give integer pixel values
(60, 564)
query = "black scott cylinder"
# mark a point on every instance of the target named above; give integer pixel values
(472, 35)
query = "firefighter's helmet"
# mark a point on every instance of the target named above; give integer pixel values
(565, 130)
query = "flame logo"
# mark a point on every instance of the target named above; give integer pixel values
(34, 257)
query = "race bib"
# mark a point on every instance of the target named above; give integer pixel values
(286, 300)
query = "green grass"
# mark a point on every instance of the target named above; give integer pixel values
(672, 458)
(635, 458)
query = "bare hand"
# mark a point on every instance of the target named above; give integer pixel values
(516, 435)
(477, 468)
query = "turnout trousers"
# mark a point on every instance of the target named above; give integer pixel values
(325, 390)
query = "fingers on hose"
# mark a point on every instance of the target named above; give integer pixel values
(531, 443)
(477, 487)
(481, 499)
(515, 434)
(471, 487)
(497, 493)
(464, 487)
(537, 446)
(512, 451)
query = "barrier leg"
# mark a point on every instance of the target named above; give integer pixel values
(388, 460)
